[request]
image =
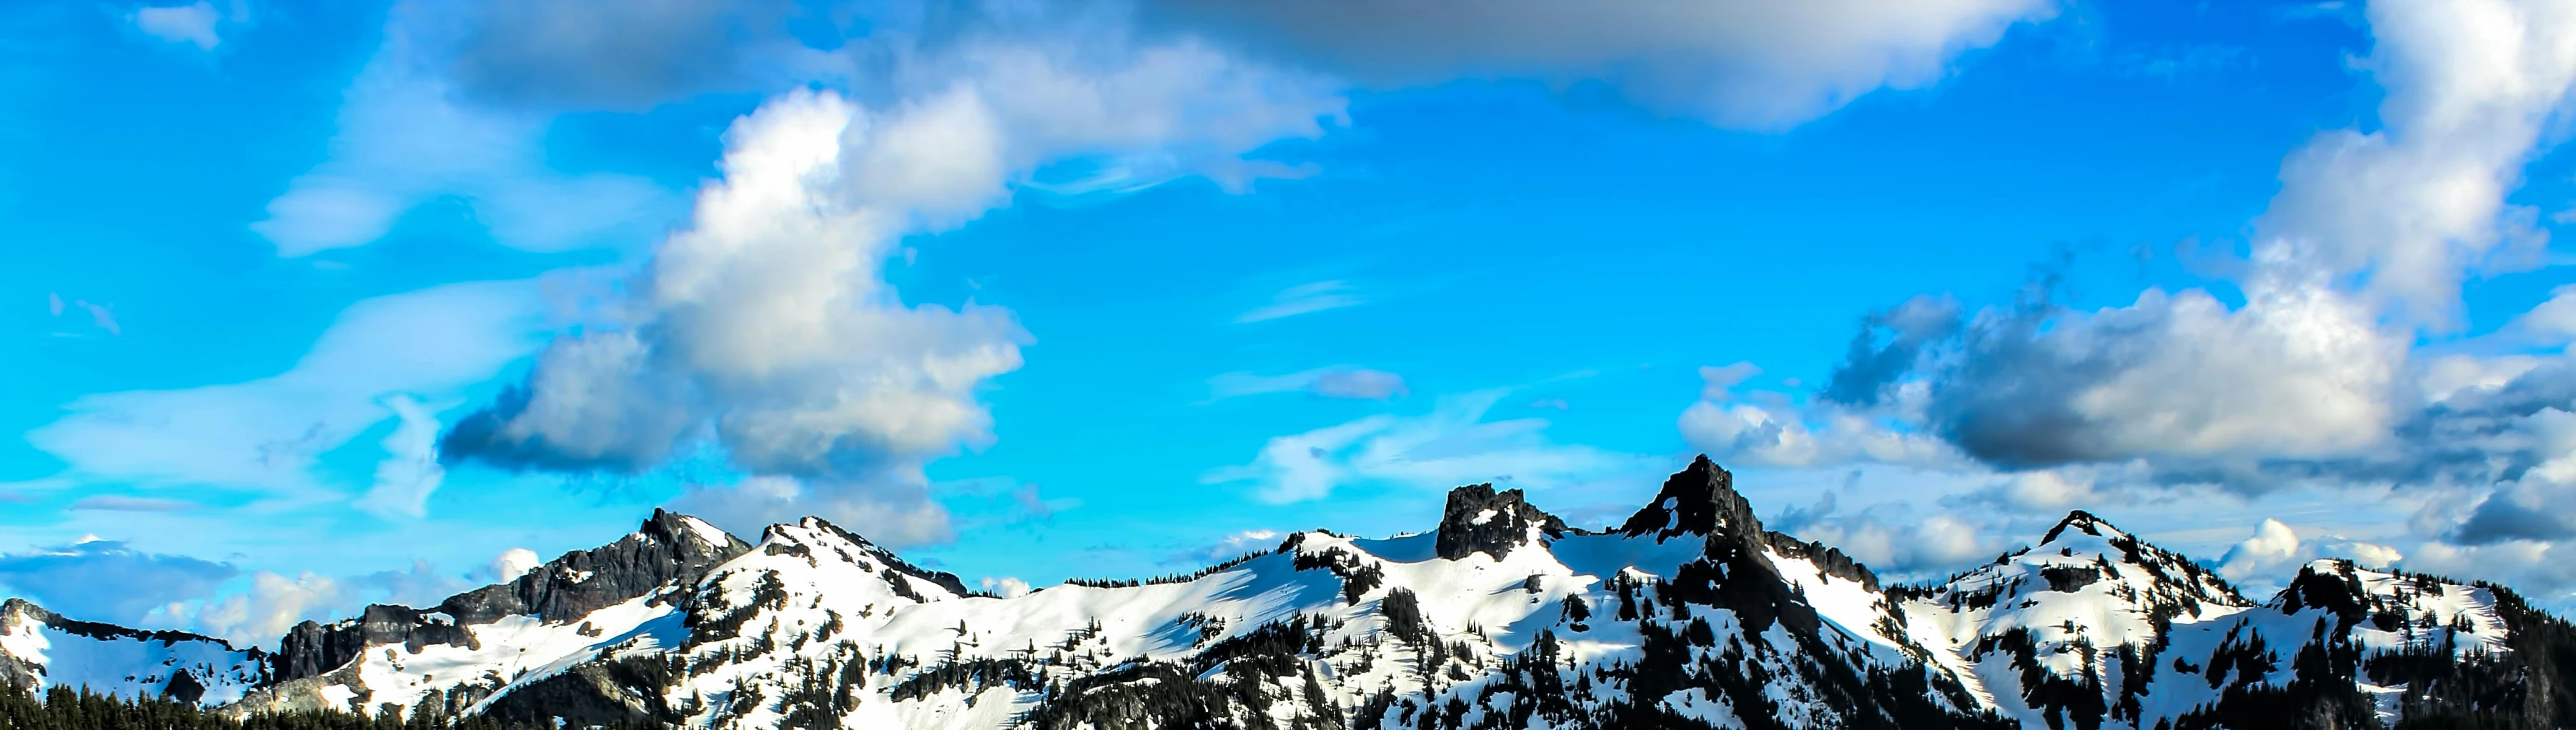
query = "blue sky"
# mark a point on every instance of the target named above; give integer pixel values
(314, 304)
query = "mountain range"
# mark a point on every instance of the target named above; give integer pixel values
(1689, 614)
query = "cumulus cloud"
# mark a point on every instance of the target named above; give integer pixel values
(512, 563)
(268, 433)
(2264, 561)
(1338, 381)
(766, 327)
(103, 580)
(1764, 428)
(1450, 446)
(1740, 63)
(1307, 298)
(2272, 545)
(2365, 244)
(191, 24)
(273, 604)
(1924, 546)
(1005, 586)
(2314, 378)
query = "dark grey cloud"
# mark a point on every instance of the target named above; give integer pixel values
(1890, 342)
(104, 580)
(1763, 65)
(613, 54)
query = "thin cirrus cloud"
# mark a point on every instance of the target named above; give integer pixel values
(409, 134)
(192, 24)
(1451, 445)
(267, 434)
(129, 503)
(104, 580)
(1338, 381)
(1307, 298)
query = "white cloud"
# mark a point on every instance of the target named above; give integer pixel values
(2471, 87)
(2045, 491)
(514, 562)
(1927, 547)
(767, 325)
(1305, 298)
(2272, 546)
(410, 470)
(267, 433)
(273, 604)
(1006, 586)
(1766, 429)
(191, 24)
(1451, 446)
(1740, 63)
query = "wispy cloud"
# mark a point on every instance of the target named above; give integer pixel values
(1450, 446)
(190, 24)
(1337, 381)
(266, 433)
(128, 503)
(1307, 298)
(103, 580)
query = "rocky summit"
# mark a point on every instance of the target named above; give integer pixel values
(1688, 614)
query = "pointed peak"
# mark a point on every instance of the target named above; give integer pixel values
(2083, 522)
(1700, 499)
(1479, 519)
(677, 526)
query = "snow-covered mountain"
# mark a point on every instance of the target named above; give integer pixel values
(1689, 614)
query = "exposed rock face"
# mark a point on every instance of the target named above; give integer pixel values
(666, 549)
(1701, 500)
(1481, 520)
(578, 583)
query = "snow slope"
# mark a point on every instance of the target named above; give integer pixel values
(1689, 614)
(39, 650)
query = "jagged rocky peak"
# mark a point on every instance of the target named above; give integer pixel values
(1700, 500)
(669, 548)
(1481, 520)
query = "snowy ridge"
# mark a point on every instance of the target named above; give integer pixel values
(1689, 614)
(39, 650)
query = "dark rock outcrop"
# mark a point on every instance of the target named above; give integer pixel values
(1481, 520)
(664, 551)
(1701, 500)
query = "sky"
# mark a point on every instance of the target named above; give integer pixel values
(310, 305)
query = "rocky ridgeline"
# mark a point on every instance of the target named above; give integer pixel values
(1688, 614)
